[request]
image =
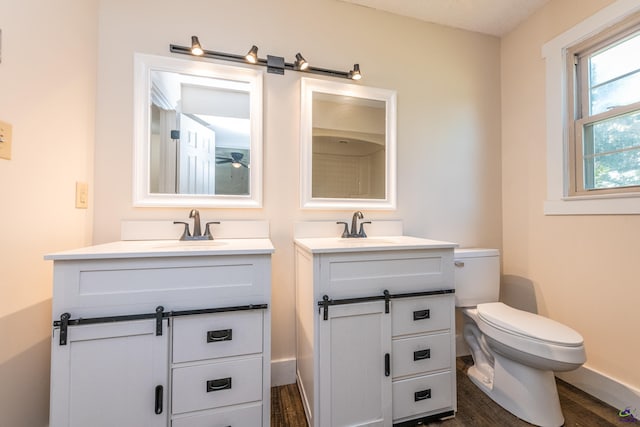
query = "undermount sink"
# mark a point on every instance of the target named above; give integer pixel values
(185, 244)
(367, 241)
(340, 244)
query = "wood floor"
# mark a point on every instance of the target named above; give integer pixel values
(474, 407)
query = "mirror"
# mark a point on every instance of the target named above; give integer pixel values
(198, 134)
(348, 151)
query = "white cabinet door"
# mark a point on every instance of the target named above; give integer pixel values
(110, 374)
(354, 342)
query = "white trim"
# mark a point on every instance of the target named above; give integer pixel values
(609, 390)
(554, 52)
(307, 87)
(283, 372)
(142, 197)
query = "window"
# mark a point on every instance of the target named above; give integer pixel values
(603, 126)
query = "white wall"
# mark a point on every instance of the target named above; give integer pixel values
(448, 84)
(580, 270)
(47, 92)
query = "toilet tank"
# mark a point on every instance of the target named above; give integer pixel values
(477, 276)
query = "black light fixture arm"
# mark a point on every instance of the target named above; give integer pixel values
(274, 64)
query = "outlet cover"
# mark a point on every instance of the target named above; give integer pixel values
(5, 140)
(82, 195)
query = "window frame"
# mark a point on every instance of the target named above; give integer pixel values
(578, 105)
(558, 201)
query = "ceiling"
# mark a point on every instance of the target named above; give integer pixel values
(494, 17)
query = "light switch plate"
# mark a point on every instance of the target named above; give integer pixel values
(82, 195)
(5, 141)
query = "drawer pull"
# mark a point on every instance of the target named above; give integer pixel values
(422, 354)
(159, 399)
(219, 384)
(421, 314)
(220, 335)
(422, 395)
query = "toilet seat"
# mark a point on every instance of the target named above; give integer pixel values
(528, 325)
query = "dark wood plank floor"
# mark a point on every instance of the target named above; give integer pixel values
(474, 407)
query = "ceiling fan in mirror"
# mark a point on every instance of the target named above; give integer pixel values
(234, 158)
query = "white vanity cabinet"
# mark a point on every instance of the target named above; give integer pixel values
(162, 334)
(375, 331)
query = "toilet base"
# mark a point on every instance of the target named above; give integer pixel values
(528, 393)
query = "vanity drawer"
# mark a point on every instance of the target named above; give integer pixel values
(216, 335)
(421, 354)
(245, 416)
(423, 314)
(421, 395)
(216, 384)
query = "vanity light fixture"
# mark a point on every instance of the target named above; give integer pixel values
(274, 64)
(252, 55)
(301, 64)
(355, 73)
(196, 49)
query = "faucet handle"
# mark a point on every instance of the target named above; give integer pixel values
(185, 233)
(345, 233)
(361, 233)
(207, 232)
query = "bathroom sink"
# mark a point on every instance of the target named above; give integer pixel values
(187, 244)
(366, 241)
(339, 244)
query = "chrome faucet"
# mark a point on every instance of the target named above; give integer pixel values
(197, 233)
(354, 226)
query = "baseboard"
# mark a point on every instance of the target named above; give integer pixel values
(283, 372)
(609, 390)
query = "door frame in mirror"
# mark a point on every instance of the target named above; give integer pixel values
(142, 196)
(307, 87)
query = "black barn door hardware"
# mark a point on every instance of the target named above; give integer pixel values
(159, 314)
(386, 296)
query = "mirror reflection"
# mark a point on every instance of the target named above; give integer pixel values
(199, 135)
(348, 147)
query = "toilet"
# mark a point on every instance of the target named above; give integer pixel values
(515, 353)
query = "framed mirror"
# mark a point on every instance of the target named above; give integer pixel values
(348, 146)
(197, 134)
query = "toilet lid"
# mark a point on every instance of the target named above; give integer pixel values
(528, 324)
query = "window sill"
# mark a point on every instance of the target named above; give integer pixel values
(594, 205)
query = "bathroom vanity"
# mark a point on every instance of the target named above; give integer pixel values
(375, 330)
(159, 333)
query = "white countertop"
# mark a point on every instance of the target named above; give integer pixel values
(166, 248)
(378, 243)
